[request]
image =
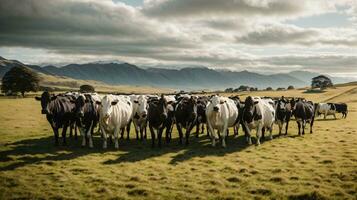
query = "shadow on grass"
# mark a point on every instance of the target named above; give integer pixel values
(42, 150)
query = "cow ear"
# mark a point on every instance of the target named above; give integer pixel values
(256, 102)
(38, 98)
(98, 103)
(53, 98)
(114, 103)
(136, 101)
(222, 102)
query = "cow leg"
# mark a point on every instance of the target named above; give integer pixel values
(334, 115)
(64, 130)
(159, 136)
(303, 126)
(247, 133)
(128, 130)
(188, 130)
(263, 133)
(225, 130)
(83, 134)
(298, 124)
(202, 128)
(197, 129)
(271, 132)
(104, 134)
(167, 134)
(89, 134)
(280, 124)
(122, 133)
(152, 136)
(259, 133)
(75, 131)
(55, 131)
(312, 124)
(70, 129)
(179, 129)
(286, 127)
(116, 137)
(211, 133)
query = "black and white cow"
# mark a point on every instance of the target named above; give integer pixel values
(325, 109)
(58, 111)
(87, 113)
(157, 118)
(283, 112)
(341, 108)
(257, 114)
(201, 114)
(304, 113)
(186, 116)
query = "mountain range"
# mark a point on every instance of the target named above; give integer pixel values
(190, 78)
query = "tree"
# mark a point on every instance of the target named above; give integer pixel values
(291, 87)
(86, 89)
(269, 89)
(321, 82)
(228, 90)
(20, 79)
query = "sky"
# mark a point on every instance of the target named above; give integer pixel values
(265, 36)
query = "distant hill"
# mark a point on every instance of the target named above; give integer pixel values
(118, 73)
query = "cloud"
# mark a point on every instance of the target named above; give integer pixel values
(196, 8)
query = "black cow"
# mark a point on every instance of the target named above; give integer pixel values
(304, 113)
(157, 118)
(201, 114)
(341, 108)
(87, 117)
(186, 116)
(283, 113)
(58, 111)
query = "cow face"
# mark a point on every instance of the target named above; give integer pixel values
(80, 102)
(162, 107)
(189, 105)
(249, 110)
(216, 102)
(141, 106)
(45, 99)
(107, 104)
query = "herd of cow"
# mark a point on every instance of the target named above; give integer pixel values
(115, 113)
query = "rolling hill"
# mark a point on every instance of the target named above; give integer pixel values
(186, 78)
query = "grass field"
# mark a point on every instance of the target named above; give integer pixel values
(322, 165)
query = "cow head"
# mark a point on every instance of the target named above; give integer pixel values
(141, 107)
(45, 99)
(107, 104)
(216, 102)
(80, 102)
(249, 110)
(189, 105)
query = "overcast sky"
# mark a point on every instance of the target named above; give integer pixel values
(265, 36)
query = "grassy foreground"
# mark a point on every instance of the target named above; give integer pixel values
(322, 165)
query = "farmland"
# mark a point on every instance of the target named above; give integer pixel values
(322, 165)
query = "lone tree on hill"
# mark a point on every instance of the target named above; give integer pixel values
(321, 82)
(86, 89)
(269, 89)
(291, 87)
(20, 79)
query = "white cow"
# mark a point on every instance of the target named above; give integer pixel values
(221, 114)
(115, 114)
(258, 114)
(325, 109)
(139, 116)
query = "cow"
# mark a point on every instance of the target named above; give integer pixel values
(139, 116)
(283, 112)
(59, 113)
(221, 113)
(201, 114)
(325, 109)
(257, 114)
(87, 116)
(157, 118)
(303, 112)
(341, 108)
(115, 114)
(186, 116)
(239, 105)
